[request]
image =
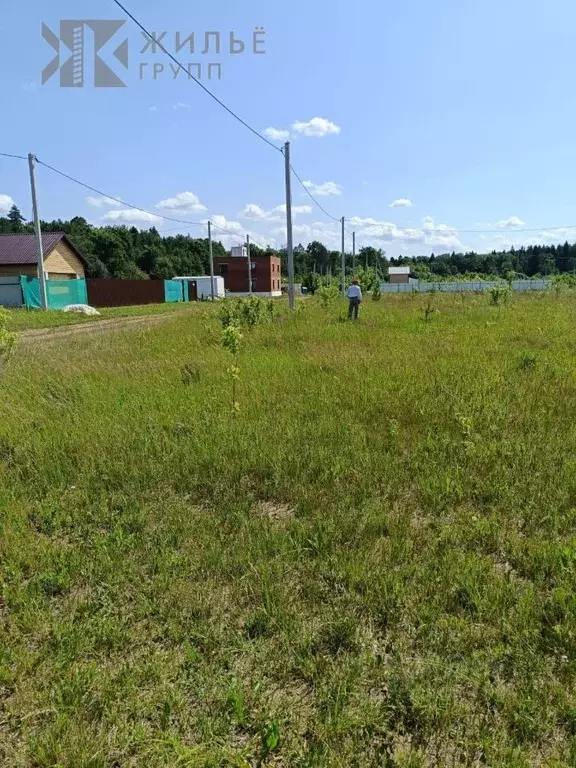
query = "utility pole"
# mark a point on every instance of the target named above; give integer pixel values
(39, 248)
(289, 240)
(353, 253)
(211, 258)
(343, 259)
(249, 264)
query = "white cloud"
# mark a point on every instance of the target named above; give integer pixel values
(429, 233)
(101, 202)
(254, 212)
(131, 216)
(6, 203)
(296, 209)
(152, 109)
(183, 202)
(276, 134)
(325, 189)
(236, 233)
(557, 235)
(402, 202)
(318, 127)
(512, 223)
(307, 233)
(182, 105)
(257, 213)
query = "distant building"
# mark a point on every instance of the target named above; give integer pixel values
(399, 275)
(265, 273)
(204, 286)
(62, 260)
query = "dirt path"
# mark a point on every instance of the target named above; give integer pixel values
(94, 326)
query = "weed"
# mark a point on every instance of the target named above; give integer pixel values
(231, 338)
(429, 309)
(190, 374)
(527, 361)
(328, 294)
(500, 295)
(7, 338)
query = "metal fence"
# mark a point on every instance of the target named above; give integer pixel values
(11, 292)
(478, 286)
(124, 293)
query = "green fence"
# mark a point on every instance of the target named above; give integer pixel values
(174, 290)
(59, 293)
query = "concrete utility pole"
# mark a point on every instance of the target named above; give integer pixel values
(249, 264)
(289, 237)
(343, 259)
(353, 252)
(39, 248)
(211, 257)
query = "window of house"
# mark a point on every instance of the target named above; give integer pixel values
(223, 270)
(254, 285)
(252, 265)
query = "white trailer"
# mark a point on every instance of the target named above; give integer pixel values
(203, 286)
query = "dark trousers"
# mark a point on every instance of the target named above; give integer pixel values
(353, 308)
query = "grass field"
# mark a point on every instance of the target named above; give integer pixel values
(29, 319)
(373, 564)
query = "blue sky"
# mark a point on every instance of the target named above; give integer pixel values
(462, 111)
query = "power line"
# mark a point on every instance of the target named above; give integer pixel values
(436, 231)
(16, 157)
(240, 236)
(221, 103)
(117, 199)
(311, 196)
(183, 68)
(136, 207)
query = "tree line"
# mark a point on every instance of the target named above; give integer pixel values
(130, 253)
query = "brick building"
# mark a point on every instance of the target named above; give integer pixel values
(265, 271)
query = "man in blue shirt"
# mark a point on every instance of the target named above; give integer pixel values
(355, 298)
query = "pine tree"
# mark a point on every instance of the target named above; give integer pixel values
(16, 219)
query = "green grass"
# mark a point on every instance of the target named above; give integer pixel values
(29, 319)
(373, 564)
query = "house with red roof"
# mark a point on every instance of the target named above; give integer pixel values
(62, 260)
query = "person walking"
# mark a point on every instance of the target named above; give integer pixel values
(354, 295)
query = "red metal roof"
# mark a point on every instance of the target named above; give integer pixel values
(21, 249)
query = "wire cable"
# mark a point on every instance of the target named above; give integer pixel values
(228, 232)
(311, 196)
(207, 90)
(117, 199)
(17, 157)
(136, 207)
(218, 101)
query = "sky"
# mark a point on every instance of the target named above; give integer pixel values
(431, 126)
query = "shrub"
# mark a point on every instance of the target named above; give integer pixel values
(7, 338)
(499, 295)
(328, 295)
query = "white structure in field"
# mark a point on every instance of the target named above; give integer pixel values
(399, 275)
(203, 286)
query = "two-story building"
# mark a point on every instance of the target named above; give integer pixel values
(265, 273)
